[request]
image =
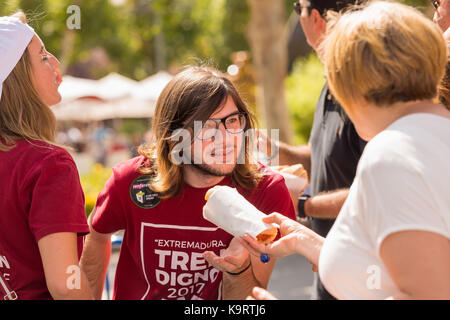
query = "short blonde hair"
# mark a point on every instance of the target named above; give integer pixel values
(382, 53)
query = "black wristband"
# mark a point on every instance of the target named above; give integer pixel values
(301, 205)
(242, 271)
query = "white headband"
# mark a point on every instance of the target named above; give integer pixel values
(14, 39)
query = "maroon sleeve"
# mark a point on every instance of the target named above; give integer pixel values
(109, 215)
(57, 203)
(276, 197)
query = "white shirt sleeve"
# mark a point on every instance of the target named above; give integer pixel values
(399, 197)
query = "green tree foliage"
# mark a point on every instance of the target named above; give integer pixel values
(134, 33)
(303, 88)
(142, 36)
(131, 33)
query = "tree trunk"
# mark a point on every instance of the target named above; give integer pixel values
(160, 45)
(68, 43)
(268, 42)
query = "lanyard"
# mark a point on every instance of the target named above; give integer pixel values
(10, 294)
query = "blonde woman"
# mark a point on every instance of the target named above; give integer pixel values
(392, 236)
(41, 200)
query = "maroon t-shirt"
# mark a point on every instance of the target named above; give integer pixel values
(40, 194)
(161, 254)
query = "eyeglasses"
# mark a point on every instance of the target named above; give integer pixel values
(298, 7)
(233, 123)
(435, 3)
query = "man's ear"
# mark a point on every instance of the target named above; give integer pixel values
(320, 25)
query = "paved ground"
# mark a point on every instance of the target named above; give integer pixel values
(291, 279)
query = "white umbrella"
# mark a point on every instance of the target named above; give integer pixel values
(115, 86)
(150, 88)
(73, 88)
(113, 96)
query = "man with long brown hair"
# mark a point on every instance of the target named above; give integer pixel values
(169, 250)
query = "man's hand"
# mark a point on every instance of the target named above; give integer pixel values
(233, 259)
(282, 153)
(264, 144)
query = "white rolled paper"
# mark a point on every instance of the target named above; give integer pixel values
(295, 177)
(294, 183)
(230, 211)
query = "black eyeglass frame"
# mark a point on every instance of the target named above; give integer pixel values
(435, 3)
(223, 121)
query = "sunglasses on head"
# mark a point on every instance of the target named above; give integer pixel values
(298, 7)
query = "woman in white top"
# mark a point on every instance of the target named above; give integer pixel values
(392, 236)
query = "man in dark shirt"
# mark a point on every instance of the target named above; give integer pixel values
(335, 152)
(334, 148)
